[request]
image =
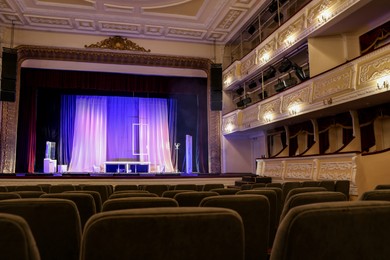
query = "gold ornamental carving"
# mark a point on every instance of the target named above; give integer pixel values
(117, 43)
(300, 96)
(296, 170)
(374, 69)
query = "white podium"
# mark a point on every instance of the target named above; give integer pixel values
(49, 165)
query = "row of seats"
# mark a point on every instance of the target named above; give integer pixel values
(213, 197)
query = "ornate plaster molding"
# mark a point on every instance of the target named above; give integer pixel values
(117, 43)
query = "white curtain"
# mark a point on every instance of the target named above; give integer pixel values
(153, 114)
(90, 134)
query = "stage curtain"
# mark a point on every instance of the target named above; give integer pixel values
(68, 110)
(90, 134)
(122, 115)
(172, 125)
(155, 148)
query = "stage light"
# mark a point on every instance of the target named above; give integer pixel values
(285, 65)
(246, 101)
(299, 73)
(270, 73)
(273, 7)
(240, 104)
(239, 91)
(252, 85)
(251, 29)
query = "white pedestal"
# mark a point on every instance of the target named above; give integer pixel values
(49, 165)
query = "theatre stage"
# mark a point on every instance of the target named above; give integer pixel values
(228, 179)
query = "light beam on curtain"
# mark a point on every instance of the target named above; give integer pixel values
(154, 113)
(122, 114)
(90, 134)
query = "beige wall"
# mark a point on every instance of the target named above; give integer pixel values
(372, 170)
(28, 37)
(236, 155)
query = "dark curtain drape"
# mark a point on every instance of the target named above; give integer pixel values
(295, 130)
(59, 82)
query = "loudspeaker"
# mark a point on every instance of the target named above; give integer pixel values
(216, 87)
(8, 75)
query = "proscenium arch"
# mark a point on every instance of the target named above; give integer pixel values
(40, 56)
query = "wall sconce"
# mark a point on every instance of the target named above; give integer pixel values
(383, 83)
(324, 16)
(268, 117)
(229, 127)
(328, 101)
(265, 57)
(294, 108)
(290, 39)
(228, 80)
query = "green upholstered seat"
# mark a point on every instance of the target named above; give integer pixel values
(193, 199)
(164, 233)
(347, 230)
(138, 202)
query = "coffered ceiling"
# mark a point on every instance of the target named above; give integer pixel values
(180, 20)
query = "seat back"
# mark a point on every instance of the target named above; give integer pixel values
(28, 188)
(210, 186)
(30, 194)
(255, 214)
(376, 195)
(226, 191)
(17, 240)
(273, 209)
(131, 194)
(309, 198)
(279, 202)
(55, 224)
(343, 186)
(156, 188)
(185, 187)
(3, 189)
(335, 230)
(382, 187)
(138, 202)
(120, 187)
(193, 199)
(164, 233)
(287, 186)
(61, 188)
(172, 193)
(302, 190)
(9, 195)
(104, 190)
(85, 203)
(328, 185)
(96, 197)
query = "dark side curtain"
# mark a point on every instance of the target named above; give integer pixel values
(295, 130)
(184, 89)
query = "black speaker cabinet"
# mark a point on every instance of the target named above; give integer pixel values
(8, 75)
(216, 87)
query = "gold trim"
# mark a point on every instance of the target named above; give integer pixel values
(117, 43)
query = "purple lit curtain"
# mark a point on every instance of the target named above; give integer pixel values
(66, 128)
(154, 143)
(122, 115)
(90, 134)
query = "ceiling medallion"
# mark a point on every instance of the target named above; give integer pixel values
(117, 43)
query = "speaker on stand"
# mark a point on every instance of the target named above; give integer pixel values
(8, 75)
(216, 87)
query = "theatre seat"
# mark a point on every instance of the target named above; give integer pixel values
(55, 224)
(16, 240)
(226, 191)
(131, 194)
(30, 194)
(335, 230)
(156, 188)
(164, 233)
(185, 187)
(104, 190)
(255, 213)
(138, 202)
(94, 194)
(273, 209)
(172, 193)
(61, 188)
(210, 186)
(193, 199)
(294, 191)
(120, 187)
(309, 198)
(28, 188)
(376, 195)
(9, 195)
(85, 203)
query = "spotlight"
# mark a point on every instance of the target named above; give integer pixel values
(252, 85)
(273, 7)
(285, 65)
(251, 29)
(240, 103)
(239, 91)
(299, 73)
(246, 101)
(270, 73)
(278, 18)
